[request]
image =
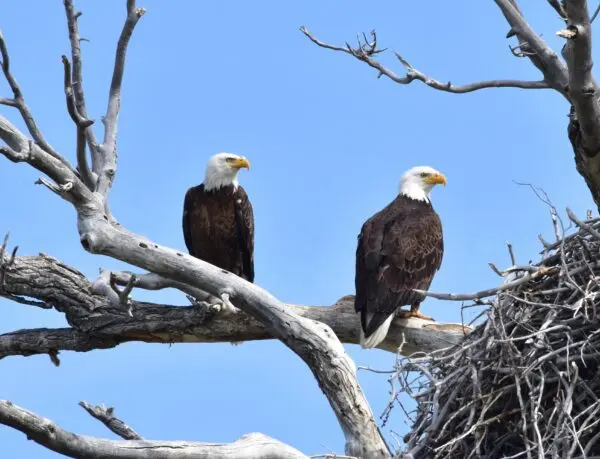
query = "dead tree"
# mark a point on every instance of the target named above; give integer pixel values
(570, 76)
(102, 314)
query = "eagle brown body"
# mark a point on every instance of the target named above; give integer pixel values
(400, 248)
(218, 227)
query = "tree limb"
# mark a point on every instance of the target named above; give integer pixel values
(19, 102)
(46, 433)
(151, 281)
(100, 322)
(365, 52)
(110, 120)
(542, 56)
(106, 416)
(583, 88)
(82, 123)
(77, 77)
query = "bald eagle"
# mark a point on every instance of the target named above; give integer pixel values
(400, 248)
(218, 222)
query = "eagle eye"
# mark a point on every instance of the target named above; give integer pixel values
(424, 174)
(230, 159)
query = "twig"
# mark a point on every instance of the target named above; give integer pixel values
(6, 262)
(595, 15)
(59, 189)
(124, 294)
(106, 416)
(558, 8)
(511, 253)
(582, 225)
(489, 292)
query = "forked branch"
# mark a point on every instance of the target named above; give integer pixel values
(100, 322)
(366, 52)
(18, 102)
(77, 77)
(46, 433)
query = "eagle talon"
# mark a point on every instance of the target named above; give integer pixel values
(402, 314)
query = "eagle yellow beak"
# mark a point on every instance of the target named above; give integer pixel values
(436, 179)
(240, 163)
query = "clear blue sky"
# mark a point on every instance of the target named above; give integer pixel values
(328, 143)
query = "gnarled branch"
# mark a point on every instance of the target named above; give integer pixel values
(18, 101)
(366, 51)
(100, 322)
(48, 434)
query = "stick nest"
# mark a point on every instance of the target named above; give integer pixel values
(526, 382)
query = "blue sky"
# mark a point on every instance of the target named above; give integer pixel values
(328, 143)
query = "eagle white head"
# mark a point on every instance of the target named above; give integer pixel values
(222, 170)
(417, 183)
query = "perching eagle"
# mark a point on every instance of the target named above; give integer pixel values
(400, 248)
(218, 223)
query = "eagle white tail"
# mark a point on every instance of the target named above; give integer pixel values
(378, 335)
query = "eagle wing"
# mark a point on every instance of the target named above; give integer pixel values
(244, 219)
(397, 252)
(195, 216)
(185, 224)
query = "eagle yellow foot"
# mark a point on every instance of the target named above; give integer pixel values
(402, 314)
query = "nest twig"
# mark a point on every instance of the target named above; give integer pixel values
(526, 382)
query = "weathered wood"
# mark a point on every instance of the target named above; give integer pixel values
(98, 324)
(48, 434)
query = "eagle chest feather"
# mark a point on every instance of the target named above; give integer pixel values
(218, 228)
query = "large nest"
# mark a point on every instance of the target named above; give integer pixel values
(526, 382)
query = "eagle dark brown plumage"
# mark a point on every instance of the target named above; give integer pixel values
(400, 248)
(218, 223)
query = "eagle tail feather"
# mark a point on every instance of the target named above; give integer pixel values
(377, 335)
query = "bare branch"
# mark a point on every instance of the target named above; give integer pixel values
(6, 262)
(8, 102)
(583, 89)
(82, 124)
(583, 225)
(365, 52)
(123, 295)
(22, 149)
(72, 17)
(49, 341)
(19, 102)
(110, 120)
(151, 281)
(558, 8)
(543, 57)
(595, 15)
(55, 284)
(46, 433)
(106, 416)
(543, 271)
